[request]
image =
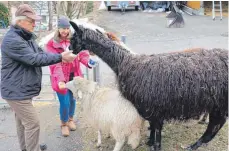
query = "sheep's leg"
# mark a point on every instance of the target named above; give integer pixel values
(134, 138)
(99, 139)
(216, 121)
(119, 138)
(118, 145)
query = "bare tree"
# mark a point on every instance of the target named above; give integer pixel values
(50, 11)
(82, 8)
(54, 4)
(72, 9)
(40, 7)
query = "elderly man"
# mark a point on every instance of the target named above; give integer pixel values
(21, 74)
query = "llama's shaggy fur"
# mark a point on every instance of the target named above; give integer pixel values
(179, 85)
(107, 111)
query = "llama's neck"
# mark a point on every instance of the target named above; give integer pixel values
(110, 52)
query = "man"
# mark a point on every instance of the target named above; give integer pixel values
(21, 74)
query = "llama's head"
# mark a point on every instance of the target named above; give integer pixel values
(80, 86)
(78, 40)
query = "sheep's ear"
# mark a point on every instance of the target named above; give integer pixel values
(75, 27)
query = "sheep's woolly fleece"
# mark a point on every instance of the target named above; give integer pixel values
(100, 106)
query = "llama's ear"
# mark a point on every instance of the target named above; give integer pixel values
(75, 27)
(99, 31)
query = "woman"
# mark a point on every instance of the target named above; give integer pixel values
(64, 72)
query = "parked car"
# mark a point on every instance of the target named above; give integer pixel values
(122, 5)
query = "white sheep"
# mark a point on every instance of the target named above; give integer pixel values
(105, 110)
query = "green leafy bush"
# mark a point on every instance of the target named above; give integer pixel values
(4, 14)
(90, 6)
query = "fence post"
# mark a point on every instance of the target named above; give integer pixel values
(96, 73)
(123, 39)
(87, 73)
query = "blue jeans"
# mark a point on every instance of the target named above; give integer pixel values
(67, 106)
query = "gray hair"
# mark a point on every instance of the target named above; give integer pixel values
(14, 21)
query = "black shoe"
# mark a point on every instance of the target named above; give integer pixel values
(43, 147)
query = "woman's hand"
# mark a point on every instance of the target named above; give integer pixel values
(93, 61)
(61, 85)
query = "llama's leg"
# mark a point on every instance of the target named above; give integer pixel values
(99, 139)
(158, 129)
(216, 121)
(155, 135)
(204, 118)
(152, 134)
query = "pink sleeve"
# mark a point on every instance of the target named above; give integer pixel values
(84, 57)
(56, 71)
(49, 47)
(56, 76)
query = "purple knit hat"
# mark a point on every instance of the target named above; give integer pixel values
(63, 22)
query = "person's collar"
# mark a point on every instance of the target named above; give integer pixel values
(25, 34)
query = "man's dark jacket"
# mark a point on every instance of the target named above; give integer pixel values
(22, 60)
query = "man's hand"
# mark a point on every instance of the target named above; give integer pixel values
(61, 85)
(68, 56)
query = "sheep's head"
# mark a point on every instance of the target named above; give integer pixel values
(80, 85)
(78, 40)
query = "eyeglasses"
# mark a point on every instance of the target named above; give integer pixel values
(31, 21)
